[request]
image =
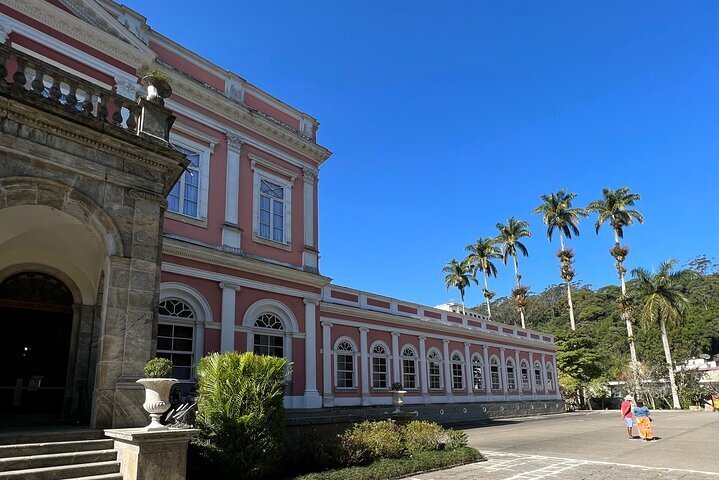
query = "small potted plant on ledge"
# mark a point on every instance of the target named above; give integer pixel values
(397, 396)
(158, 86)
(158, 382)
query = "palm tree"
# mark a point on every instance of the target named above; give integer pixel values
(459, 276)
(480, 257)
(510, 246)
(614, 208)
(558, 214)
(662, 301)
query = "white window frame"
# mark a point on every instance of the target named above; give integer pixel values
(386, 357)
(413, 358)
(204, 152)
(269, 332)
(286, 184)
(511, 370)
(477, 371)
(549, 378)
(289, 323)
(354, 355)
(181, 322)
(525, 375)
(439, 362)
(539, 382)
(494, 362)
(457, 360)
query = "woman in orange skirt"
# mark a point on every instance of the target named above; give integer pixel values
(643, 421)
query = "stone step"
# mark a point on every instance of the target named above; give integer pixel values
(63, 472)
(27, 449)
(56, 459)
(49, 436)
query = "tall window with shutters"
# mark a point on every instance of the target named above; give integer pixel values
(184, 198)
(434, 370)
(269, 336)
(409, 368)
(175, 336)
(380, 366)
(344, 365)
(477, 372)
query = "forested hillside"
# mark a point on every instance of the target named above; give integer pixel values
(598, 351)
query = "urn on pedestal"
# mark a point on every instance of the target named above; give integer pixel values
(157, 390)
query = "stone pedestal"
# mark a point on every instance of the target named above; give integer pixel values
(155, 455)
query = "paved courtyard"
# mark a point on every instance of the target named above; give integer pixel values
(593, 445)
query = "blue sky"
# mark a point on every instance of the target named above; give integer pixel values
(445, 118)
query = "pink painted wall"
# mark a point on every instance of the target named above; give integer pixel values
(187, 67)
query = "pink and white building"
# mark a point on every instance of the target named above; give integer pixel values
(239, 264)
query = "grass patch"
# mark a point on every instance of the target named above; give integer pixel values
(391, 468)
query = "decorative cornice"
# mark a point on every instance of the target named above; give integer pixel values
(199, 253)
(309, 175)
(139, 194)
(311, 300)
(256, 160)
(234, 143)
(326, 324)
(230, 286)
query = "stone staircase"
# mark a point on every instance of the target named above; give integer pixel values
(62, 454)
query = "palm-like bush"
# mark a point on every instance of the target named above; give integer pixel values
(459, 276)
(510, 244)
(241, 412)
(481, 254)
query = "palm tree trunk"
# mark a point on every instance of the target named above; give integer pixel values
(569, 291)
(486, 297)
(461, 294)
(670, 365)
(634, 364)
(516, 275)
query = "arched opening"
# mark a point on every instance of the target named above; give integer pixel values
(37, 318)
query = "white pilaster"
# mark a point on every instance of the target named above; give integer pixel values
(544, 376)
(556, 377)
(227, 328)
(231, 233)
(533, 381)
(518, 374)
(503, 372)
(328, 399)
(364, 369)
(447, 371)
(312, 396)
(487, 372)
(396, 377)
(310, 258)
(424, 380)
(469, 378)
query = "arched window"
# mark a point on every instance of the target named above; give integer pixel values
(537, 375)
(457, 371)
(524, 371)
(434, 369)
(477, 372)
(550, 378)
(269, 338)
(380, 366)
(495, 377)
(175, 334)
(409, 368)
(344, 364)
(511, 375)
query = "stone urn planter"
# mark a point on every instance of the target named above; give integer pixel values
(158, 87)
(157, 399)
(397, 397)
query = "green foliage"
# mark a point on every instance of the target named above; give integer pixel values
(481, 254)
(420, 436)
(455, 439)
(386, 469)
(459, 276)
(369, 441)
(151, 72)
(559, 214)
(241, 413)
(613, 207)
(158, 368)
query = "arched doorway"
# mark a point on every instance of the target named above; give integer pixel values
(36, 317)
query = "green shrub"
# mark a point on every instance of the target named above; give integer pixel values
(455, 439)
(421, 436)
(313, 452)
(369, 441)
(240, 413)
(158, 368)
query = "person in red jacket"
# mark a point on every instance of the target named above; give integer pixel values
(626, 412)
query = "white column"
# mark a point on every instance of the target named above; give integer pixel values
(309, 252)
(424, 380)
(503, 372)
(312, 396)
(199, 345)
(231, 233)
(227, 329)
(468, 372)
(556, 377)
(447, 371)
(518, 373)
(328, 399)
(544, 376)
(396, 374)
(533, 382)
(364, 360)
(487, 372)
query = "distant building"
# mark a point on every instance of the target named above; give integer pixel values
(125, 235)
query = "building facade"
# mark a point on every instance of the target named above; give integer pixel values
(117, 245)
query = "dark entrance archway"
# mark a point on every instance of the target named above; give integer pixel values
(36, 317)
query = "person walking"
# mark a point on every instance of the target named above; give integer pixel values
(626, 412)
(643, 421)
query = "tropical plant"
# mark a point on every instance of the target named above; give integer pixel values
(614, 207)
(158, 368)
(510, 246)
(241, 397)
(662, 301)
(559, 214)
(481, 254)
(459, 276)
